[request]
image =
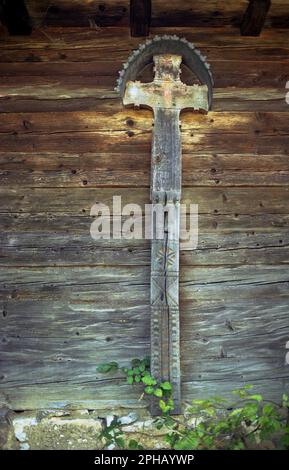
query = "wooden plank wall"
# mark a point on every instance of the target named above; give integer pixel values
(69, 302)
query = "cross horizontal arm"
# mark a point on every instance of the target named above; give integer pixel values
(167, 95)
(167, 90)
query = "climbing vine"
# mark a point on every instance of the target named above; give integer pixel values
(139, 373)
(246, 421)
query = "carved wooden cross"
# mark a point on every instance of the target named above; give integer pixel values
(167, 95)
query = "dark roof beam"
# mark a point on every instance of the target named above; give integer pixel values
(140, 17)
(14, 15)
(255, 17)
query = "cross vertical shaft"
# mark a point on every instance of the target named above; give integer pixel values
(165, 194)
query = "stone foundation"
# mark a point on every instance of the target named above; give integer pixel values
(72, 430)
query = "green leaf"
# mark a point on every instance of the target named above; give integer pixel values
(211, 411)
(166, 386)
(285, 440)
(133, 444)
(236, 412)
(187, 443)
(158, 392)
(146, 373)
(137, 378)
(130, 380)
(135, 363)
(285, 400)
(120, 442)
(169, 422)
(202, 403)
(256, 397)
(163, 406)
(109, 367)
(147, 362)
(268, 409)
(208, 442)
(242, 392)
(238, 446)
(149, 390)
(149, 380)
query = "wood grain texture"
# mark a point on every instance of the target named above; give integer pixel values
(70, 302)
(174, 13)
(213, 330)
(50, 169)
(54, 97)
(230, 200)
(130, 132)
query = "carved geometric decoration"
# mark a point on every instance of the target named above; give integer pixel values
(164, 289)
(168, 257)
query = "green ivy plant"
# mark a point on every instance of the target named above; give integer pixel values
(139, 373)
(246, 421)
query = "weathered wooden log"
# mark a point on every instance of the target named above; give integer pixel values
(175, 13)
(140, 17)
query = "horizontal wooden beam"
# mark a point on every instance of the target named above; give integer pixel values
(254, 17)
(116, 13)
(140, 17)
(14, 15)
